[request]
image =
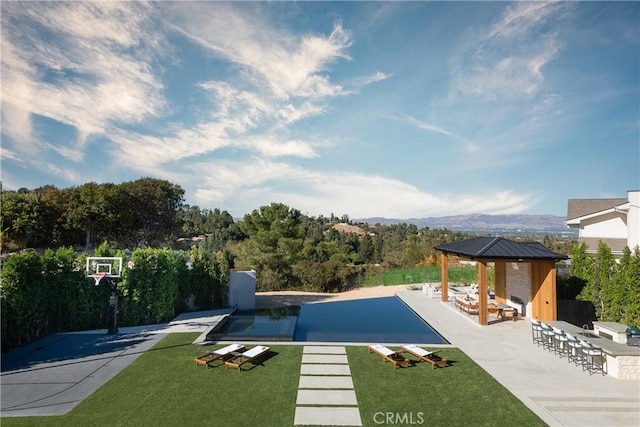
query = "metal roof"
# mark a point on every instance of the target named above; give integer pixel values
(500, 248)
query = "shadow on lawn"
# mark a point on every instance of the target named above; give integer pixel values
(259, 362)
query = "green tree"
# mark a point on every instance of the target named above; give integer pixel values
(275, 241)
(25, 219)
(154, 205)
(627, 293)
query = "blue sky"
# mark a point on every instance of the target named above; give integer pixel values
(395, 109)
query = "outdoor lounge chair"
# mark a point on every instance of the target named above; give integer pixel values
(426, 356)
(395, 357)
(249, 356)
(219, 354)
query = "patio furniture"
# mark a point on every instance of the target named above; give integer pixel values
(547, 337)
(495, 309)
(426, 356)
(574, 349)
(536, 332)
(467, 305)
(249, 356)
(395, 357)
(594, 360)
(560, 342)
(509, 313)
(220, 354)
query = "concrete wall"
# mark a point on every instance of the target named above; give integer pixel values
(242, 290)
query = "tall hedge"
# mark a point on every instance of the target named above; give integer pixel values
(48, 293)
(613, 287)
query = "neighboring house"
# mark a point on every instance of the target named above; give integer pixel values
(615, 222)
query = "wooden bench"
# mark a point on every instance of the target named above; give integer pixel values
(467, 306)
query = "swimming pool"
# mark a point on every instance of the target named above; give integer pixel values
(385, 319)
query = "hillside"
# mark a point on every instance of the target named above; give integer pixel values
(485, 223)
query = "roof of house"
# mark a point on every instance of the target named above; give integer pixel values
(581, 207)
(500, 248)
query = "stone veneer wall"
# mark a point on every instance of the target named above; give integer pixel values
(519, 283)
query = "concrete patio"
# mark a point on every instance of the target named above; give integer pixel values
(560, 393)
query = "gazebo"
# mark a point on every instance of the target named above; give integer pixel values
(540, 260)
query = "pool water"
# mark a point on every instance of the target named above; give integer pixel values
(385, 319)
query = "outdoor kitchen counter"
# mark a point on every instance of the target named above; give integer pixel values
(612, 348)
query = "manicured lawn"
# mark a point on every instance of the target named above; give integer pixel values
(164, 387)
(419, 275)
(462, 394)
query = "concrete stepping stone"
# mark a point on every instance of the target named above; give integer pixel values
(318, 381)
(326, 397)
(306, 415)
(324, 349)
(324, 369)
(325, 358)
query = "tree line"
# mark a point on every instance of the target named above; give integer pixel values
(134, 214)
(289, 250)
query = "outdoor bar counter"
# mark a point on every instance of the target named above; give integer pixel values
(623, 361)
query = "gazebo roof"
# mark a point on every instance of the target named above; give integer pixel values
(500, 248)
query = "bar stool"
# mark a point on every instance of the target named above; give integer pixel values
(594, 359)
(547, 337)
(574, 349)
(560, 342)
(536, 332)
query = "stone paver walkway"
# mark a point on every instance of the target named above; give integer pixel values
(325, 391)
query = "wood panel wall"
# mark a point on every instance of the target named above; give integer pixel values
(543, 291)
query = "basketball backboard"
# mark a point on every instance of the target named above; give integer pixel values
(104, 266)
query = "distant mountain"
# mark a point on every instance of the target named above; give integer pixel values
(485, 223)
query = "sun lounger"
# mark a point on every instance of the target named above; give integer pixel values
(395, 357)
(426, 356)
(248, 356)
(220, 354)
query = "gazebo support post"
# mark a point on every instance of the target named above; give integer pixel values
(501, 281)
(483, 317)
(444, 279)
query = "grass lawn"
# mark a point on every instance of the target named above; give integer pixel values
(164, 387)
(419, 275)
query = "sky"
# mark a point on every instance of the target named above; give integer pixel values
(366, 109)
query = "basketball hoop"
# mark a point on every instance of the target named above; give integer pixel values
(98, 276)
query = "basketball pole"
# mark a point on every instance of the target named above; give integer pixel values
(113, 306)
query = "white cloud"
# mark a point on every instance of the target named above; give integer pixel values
(469, 146)
(241, 187)
(522, 18)
(506, 62)
(89, 70)
(7, 154)
(272, 58)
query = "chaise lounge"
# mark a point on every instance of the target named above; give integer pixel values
(220, 354)
(249, 356)
(426, 356)
(395, 357)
